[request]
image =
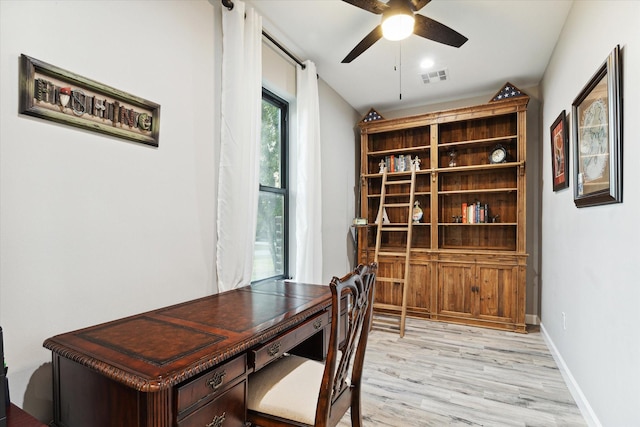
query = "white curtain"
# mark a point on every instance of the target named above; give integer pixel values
(240, 141)
(309, 187)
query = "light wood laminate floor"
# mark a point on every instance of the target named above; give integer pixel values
(443, 374)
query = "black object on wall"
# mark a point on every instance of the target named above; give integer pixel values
(4, 387)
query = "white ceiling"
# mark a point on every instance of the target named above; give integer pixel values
(509, 41)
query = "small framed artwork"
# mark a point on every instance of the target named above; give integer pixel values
(560, 152)
(597, 136)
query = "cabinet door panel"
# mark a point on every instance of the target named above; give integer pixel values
(419, 287)
(454, 285)
(389, 292)
(497, 288)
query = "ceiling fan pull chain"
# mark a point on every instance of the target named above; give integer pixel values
(400, 77)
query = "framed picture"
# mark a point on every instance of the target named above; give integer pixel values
(51, 93)
(597, 136)
(560, 152)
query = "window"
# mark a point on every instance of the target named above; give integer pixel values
(270, 258)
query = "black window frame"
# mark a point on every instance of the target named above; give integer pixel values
(283, 105)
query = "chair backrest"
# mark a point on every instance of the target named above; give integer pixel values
(352, 305)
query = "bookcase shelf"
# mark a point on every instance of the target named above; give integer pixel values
(473, 273)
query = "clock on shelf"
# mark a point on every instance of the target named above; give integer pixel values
(498, 154)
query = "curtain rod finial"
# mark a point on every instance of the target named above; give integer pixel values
(228, 4)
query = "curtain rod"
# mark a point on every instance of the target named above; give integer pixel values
(229, 5)
(282, 48)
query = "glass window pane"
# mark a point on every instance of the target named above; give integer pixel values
(270, 155)
(268, 258)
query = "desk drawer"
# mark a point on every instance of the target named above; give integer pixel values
(273, 349)
(226, 410)
(210, 383)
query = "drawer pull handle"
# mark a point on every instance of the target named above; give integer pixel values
(317, 324)
(217, 421)
(273, 349)
(216, 380)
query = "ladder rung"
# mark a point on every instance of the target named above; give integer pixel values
(385, 322)
(389, 279)
(392, 253)
(396, 205)
(404, 181)
(394, 228)
(382, 306)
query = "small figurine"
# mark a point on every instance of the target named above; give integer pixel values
(416, 163)
(382, 165)
(417, 212)
(453, 155)
(385, 217)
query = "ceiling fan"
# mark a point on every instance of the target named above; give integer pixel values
(403, 13)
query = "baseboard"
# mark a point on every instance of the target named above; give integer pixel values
(532, 319)
(575, 390)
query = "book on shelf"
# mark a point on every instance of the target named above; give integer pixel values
(475, 213)
(398, 163)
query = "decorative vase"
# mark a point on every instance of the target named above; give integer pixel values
(417, 212)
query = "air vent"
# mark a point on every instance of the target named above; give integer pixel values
(435, 76)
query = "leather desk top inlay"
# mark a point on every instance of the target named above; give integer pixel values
(155, 350)
(151, 340)
(264, 308)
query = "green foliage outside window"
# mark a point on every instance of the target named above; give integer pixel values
(270, 246)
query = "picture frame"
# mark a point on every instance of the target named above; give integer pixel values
(597, 136)
(560, 152)
(51, 93)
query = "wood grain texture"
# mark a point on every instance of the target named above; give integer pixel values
(455, 275)
(444, 374)
(16, 417)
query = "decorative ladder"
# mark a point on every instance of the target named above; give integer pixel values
(389, 181)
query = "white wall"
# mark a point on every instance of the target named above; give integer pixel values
(340, 177)
(94, 228)
(590, 255)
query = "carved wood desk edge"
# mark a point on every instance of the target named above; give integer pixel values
(162, 382)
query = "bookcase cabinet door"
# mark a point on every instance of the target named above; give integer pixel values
(496, 292)
(388, 295)
(419, 292)
(455, 290)
(481, 294)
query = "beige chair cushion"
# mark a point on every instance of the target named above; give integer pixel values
(287, 388)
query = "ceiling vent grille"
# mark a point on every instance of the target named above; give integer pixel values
(435, 76)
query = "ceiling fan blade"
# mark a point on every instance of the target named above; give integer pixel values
(419, 4)
(373, 6)
(365, 44)
(433, 30)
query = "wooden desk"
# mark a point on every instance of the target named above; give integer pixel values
(16, 417)
(187, 364)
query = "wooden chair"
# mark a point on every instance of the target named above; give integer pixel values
(295, 391)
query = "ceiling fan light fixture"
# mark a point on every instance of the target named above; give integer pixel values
(397, 24)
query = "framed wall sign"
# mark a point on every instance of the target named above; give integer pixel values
(560, 152)
(597, 136)
(51, 93)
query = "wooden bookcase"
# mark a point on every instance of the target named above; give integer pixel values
(472, 273)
